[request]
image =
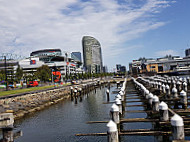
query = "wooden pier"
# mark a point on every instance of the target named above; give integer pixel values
(175, 124)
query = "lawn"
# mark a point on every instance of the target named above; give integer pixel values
(3, 93)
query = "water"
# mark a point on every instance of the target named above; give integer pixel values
(60, 122)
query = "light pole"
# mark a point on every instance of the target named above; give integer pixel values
(6, 73)
(66, 67)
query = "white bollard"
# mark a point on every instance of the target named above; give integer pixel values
(118, 96)
(122, 95)
(112, 132)
(150, 96)
(183, 99)
(155, 103)
(174, 92)
(163, 109)
(163, 88)
(119, 104)
(108, 95)
(185, 86)
(167, 90)
(114, 112)
(177, 127)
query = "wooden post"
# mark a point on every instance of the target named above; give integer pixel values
(174, 92)
(160, 86)
(146, 93)
(177, 128)
(71, 91)
(80, 94)
(185, 86)
(108, 95)
(6, 124)
(112, 132)
(163, 109)
(163, 88)
(118, 84)
(75, 95)
(114, 113)
(109, 85)
(167, 90)
(122, 95)
(149, 105)
(183, 99)
(155, 103)
(179, 86)
(119, 104)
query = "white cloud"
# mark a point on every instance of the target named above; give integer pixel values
(166, 52)
(28, 25)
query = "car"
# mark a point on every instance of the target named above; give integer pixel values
(32, 84)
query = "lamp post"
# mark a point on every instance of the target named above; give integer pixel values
(6, 73)
(66, 67)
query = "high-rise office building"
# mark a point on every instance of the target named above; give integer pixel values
(92, 55)
(76, 56)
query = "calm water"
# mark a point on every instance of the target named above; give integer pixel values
(60, 122)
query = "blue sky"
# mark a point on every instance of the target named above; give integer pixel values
(126, 29)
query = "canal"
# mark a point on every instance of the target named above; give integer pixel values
(60, 122)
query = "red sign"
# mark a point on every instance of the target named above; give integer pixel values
(32, 62)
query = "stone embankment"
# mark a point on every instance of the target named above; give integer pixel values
(20, 105)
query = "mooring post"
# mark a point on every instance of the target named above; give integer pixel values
(174, 92)
(75, 95)
(183, 99)
(177, 128)
(108, 95)
(163, 88)
(163, 109)
(167, 90)
(118, 84)
(71, 91)
(178, 86)
(146, 93)
(109, 85)
(119, 104)
(188, 80)
(185, 86)
(149, 105)
(155, 103)
(6, 124)
(112, 132)
(114, 113)
(160, 86)
(80, 94)
(122, 95)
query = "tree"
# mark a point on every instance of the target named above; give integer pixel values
(43, 73)
(2, 75)
(19, 73)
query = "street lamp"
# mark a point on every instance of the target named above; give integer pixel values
(6, 73)
(66, 67)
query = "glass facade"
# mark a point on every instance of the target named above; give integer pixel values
(92, 54)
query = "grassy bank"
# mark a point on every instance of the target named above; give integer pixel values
(3, 93)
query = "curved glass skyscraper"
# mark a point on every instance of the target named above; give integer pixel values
(92, 55)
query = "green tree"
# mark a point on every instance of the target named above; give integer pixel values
(2, 75)
(19, 73)
(43, 73)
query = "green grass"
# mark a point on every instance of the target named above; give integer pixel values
(3, 93)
